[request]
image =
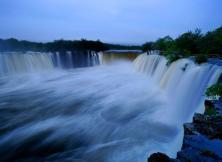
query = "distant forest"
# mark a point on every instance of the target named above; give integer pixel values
(60, 45)
(189, 43)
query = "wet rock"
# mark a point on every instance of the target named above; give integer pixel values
(202, 139)
(210, 126)
(189, 129)
(160, 157)
(198, 148)
(218, 105)
(190, 155)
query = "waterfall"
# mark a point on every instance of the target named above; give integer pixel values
(120, 112)
(15, 63)
(183, 80)
(20, 62)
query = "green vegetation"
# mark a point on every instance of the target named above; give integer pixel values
(190, 43)
(210, 111)
(201, 58)
(61, 45)
(147, 46)
(123, 47)
(193, 43)
(58, 45)
(171, 58)
(214, 91)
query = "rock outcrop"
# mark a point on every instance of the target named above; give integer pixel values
(202, 139)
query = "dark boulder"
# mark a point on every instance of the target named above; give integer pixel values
(198, 148)
(208, 103)
(189, 129)
(160, 157)
(210, 126)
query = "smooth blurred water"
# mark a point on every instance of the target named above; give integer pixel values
(183, 82)
(14, 63)
(95, 114)
(116, 113)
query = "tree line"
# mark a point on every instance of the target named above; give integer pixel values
(189, 43)
(58, 45)
(13, 44)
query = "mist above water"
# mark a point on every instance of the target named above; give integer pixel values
(114, 113)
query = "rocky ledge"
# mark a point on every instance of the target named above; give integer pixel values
(202, 139)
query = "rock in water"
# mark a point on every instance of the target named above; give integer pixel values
(210, 126)
(160, 157)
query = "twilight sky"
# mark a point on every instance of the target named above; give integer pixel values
(115, 21)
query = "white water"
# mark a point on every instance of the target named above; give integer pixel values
(183, 82)
(12, 63)
(106, 113)
(15, 63)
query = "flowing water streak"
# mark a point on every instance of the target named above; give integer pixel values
(183, 81)
(104, 113)
(107, 113)
(25, 62)
(14, 63)
(70, 59)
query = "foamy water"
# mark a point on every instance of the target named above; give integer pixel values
(116, 113)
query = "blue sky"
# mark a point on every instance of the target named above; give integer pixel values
(115, 21)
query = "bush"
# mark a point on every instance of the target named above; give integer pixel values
(171, 58)
(210, 111)
(147, 46)
(199, 59)
(214, 91)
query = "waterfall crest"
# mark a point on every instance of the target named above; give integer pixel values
(183, 81)
(15, 63)
(20, 62)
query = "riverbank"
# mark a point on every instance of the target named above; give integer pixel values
(202, 138)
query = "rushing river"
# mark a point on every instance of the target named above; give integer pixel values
(121, 112)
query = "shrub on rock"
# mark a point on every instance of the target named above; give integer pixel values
(199, 59)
